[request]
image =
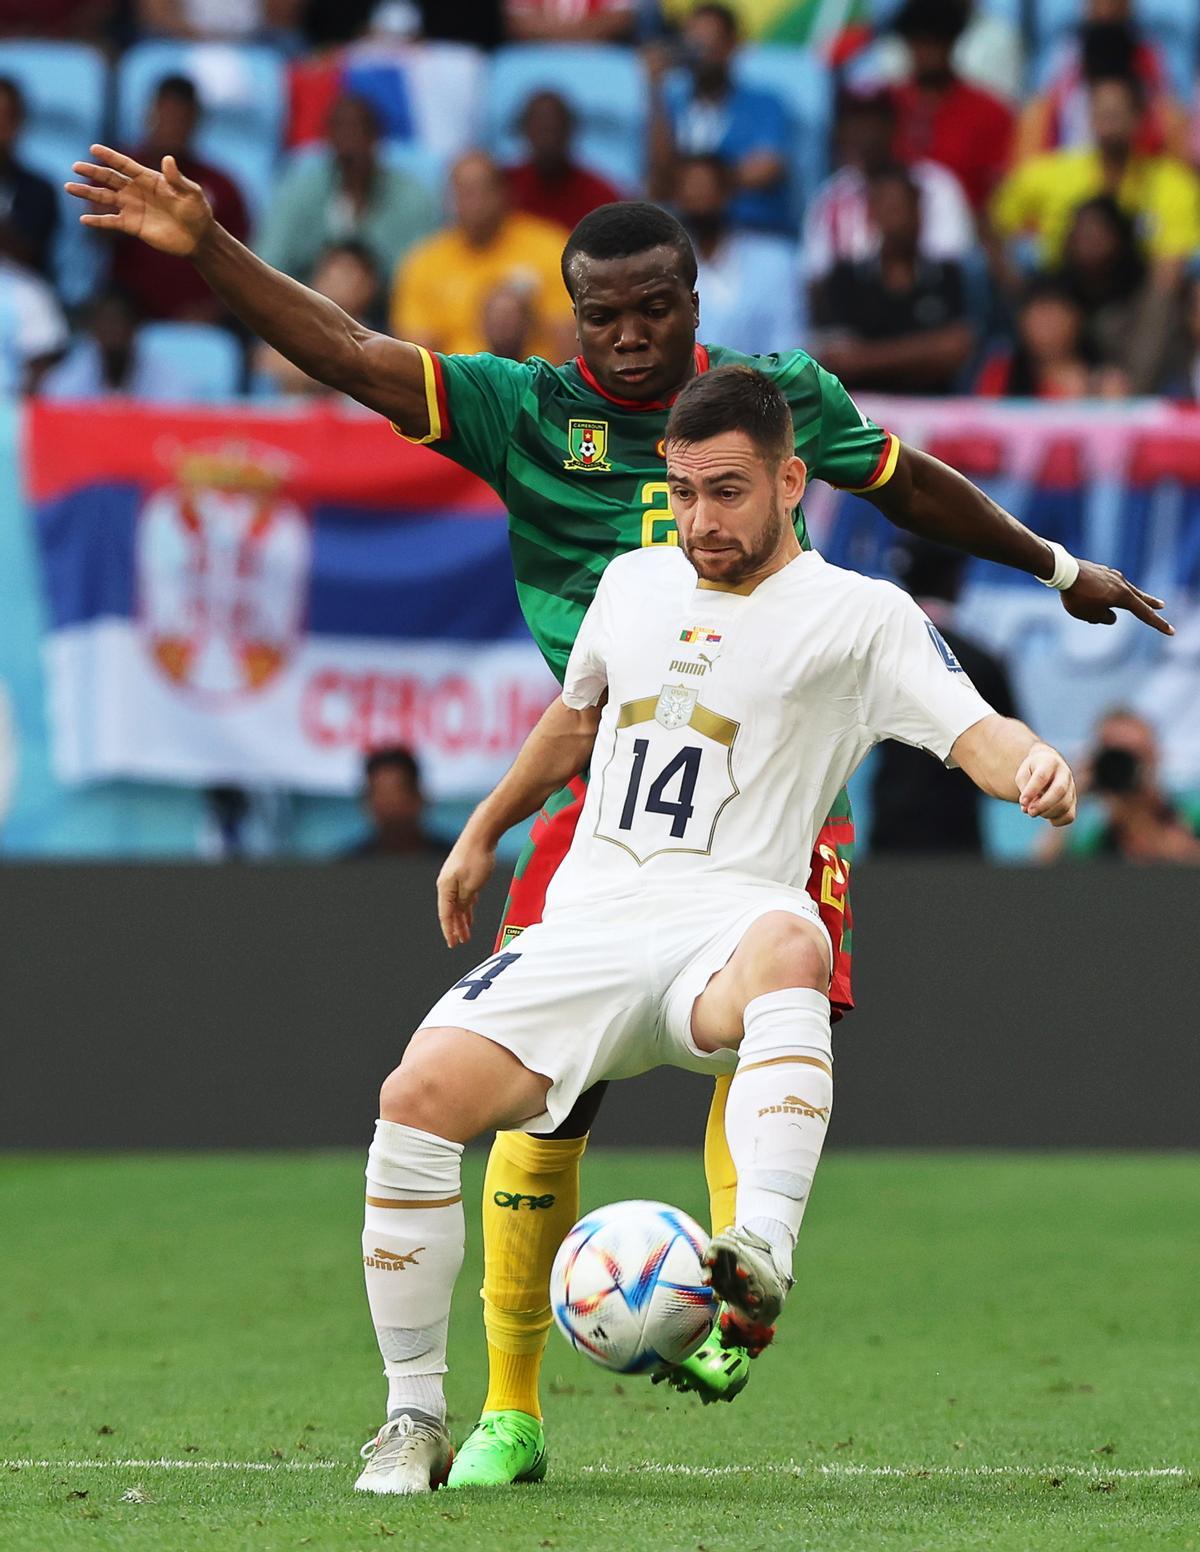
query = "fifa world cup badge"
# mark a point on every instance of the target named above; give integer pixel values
(587, 444)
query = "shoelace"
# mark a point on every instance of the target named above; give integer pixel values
(402, 1425)
(503, 1428)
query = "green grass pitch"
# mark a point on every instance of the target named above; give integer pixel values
(998, 1352)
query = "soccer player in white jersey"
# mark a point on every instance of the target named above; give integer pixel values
(722, 692)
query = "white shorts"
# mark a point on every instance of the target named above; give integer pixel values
(605, 990)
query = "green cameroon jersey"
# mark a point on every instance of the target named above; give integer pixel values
(583, 476)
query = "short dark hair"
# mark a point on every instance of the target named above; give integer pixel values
(15, 95)
(181, 86)
(734, 398)
(945, 20)
(626, 227)
(394, 757)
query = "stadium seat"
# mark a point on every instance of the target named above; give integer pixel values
(206, 359)
(64, 86)
(243, 90)
(605, 85)
(799, 78)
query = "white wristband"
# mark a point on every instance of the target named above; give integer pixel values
(1066, 568)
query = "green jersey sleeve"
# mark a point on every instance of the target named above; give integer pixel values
(473, 404)
(840, 444)
(853, 453)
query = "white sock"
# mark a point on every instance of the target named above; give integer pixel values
(777, 1112)
(413, 1239)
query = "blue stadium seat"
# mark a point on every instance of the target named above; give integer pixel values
(64, 86)
(799, 78)
(605, 85)
(244, 92)
(206, 359)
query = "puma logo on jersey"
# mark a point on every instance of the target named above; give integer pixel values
(793, 1105)
(678, 666)
(388, 1261)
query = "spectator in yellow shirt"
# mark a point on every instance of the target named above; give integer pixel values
(1039, 197)
(443, 285)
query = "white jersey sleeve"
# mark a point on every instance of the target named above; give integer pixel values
(586, 677)
(913, 687)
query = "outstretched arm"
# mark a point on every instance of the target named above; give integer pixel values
(558, 748)
(169, 212)
(1007, 760)
(929, 498)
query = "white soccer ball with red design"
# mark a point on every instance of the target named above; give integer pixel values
(626, 1287)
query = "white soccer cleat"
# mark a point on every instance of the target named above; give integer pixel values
(743, 1271)
(411, 1453)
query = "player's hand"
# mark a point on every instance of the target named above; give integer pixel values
(1099, 591)
(1046, 785)
(165, 209)
(464, 873)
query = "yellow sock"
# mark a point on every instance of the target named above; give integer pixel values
(530, 1200)
(718, 1163)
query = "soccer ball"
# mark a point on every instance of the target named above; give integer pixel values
(626, 1288)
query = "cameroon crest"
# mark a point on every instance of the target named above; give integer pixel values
(587, 444)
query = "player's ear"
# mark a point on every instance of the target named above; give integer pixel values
(793, 476)
(696, 309)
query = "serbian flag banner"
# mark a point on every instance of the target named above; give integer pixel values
(261, 597)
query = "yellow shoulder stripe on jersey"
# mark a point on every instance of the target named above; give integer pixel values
(431, 403)
(887, 467)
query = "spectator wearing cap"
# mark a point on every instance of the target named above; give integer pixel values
(703, 110)
(747, 281)
(105, 360)
(570, 21)
(896, 321)
(1108, 42)
(1039, 198)
(550, 184)
(838, 225)
(165, 286)
(28, 203)
(918, 806)
(345, 193)
(440, 289)
(940, 117)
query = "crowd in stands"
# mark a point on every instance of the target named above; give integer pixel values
(934, 196)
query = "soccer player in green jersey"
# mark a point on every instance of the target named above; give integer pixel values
(576, 454)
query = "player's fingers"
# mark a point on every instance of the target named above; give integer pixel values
(1142, 609)
(102, 175)
(1039, 772)
(118, 160)
(171, 172)
(1053, 795)
(114, 222)
(92, 194)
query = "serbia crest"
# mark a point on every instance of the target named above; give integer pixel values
(587, 445)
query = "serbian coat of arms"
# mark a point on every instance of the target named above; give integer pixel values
(587, 445)
(675, 705)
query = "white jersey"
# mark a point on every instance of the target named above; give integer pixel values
(733, 720)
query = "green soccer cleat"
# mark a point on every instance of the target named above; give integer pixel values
(718, 1370)
(502, 1448)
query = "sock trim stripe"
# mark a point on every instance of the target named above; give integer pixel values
(387, 1201)
(775, 1061)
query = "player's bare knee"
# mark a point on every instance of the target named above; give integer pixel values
(416, 1094)
(785, 950)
